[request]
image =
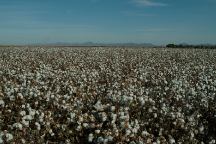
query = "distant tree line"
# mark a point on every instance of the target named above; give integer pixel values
(191, 46)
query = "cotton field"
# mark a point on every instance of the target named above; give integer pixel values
(107, 95)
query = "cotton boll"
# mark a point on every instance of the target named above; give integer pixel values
(52, 96)
(128, 132)
(31, 112)
(145, 133)
(112, 108)
(142, 101)
(97, 131)
(212, 142)
(78, 128)
(26, 123)
(90, 137)
(9, 137)
(171, 140)
(2, 103)
(100, 139)
(27, 117)
(20, 95)
(38, 125)
(80, 119)
(135, 130)
(51, 132)
(132, 142)
(110, 138)
(103, 116)
(1, 140)
(18, 125)
(201, 129)
(85, 125)
(98, 106)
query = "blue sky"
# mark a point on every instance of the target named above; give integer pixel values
(107, 21)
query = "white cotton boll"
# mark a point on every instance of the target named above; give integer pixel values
(112, 108)
(100, 140)
(79, 128)
(36, 103)
(121, 113)
(201, 129)
(113, 116)
(72, 115)
(105, 141)
(22, 113)
(80, 119)
(2, 103)
(212, 142)
(26, 123)
(32, 112)
(126, 108)
(28, 105)
(110, 138)
(48, 124)
(97, 131)
(38, 125)
(130, 98)
(9, 136)
(128, 132)
(132, 142)
(41, 120)
(90, 137)
(20, 95)
(103, 116)
(1, 140)
(98, 106)
(145, 133)
(150, 110)
(31, 93)
(173, 115)
(142, 101)
(23, 141)
(42, 115)
(18, 125)
(27, 117)
(52, 96)
(191, 135)
(171, 140)
(166, 88)
(85, 125)
(51, 132)
(135, 130)
(16, 89)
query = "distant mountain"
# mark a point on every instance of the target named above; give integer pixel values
(98, 44)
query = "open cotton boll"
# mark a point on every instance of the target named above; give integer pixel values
(9, 137)
(97, 131)
(98, 106)
(112, 108)
(18, 126)
(27, 117)
(38, 125)
(90, 137)
(2, 103)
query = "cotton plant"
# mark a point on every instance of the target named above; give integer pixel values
(107, 95)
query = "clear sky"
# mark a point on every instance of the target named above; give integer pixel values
(107, 21)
